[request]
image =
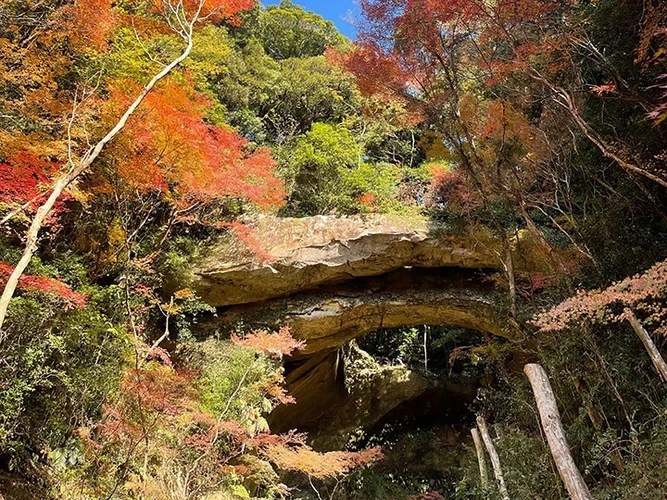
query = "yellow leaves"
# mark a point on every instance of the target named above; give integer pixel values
(210, 53)
(320, 465)
(170, 308)
(184, 294)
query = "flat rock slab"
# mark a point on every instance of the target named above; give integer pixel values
(305, 254)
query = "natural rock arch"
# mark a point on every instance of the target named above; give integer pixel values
(332, 280)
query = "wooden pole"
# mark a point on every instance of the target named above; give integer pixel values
(553, 428)
(651, 348)
(495, 459)
(479, 447)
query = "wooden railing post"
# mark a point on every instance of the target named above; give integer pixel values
(479, 447)
(493, 454)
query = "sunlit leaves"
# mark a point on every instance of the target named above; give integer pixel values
(303, 459)
(168, 147)
(275, 345)
(288, 31)
(645, 292)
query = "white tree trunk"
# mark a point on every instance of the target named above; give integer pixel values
(479, 447)
(651, 348)
(32, 235)
(495, 459)
(553, 428)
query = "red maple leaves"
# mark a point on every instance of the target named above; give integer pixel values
(25, 177)
(645, 292)
(45, 285)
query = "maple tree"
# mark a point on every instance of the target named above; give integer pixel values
(158, 402)
(182, 18)
(644, 293)
(45, 285)
(275, 345)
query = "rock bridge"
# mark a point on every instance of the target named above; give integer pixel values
(332, 280)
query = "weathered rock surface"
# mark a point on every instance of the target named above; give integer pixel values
(332, 280)
(338, 394)
(304, 254)
(331, 318)
(373, 391)
(345, 391)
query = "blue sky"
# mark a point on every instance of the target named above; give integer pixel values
(334, 10)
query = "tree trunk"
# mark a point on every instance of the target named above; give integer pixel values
(75, 171)
(479, 447)
(553, 428)
(511, 277)
(651, 348)
(495, 460)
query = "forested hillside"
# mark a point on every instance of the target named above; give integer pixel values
(243, 256)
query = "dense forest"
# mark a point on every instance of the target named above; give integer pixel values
(243, 256)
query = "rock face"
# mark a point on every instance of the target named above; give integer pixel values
(305, 254)
(330, 320)
(354, 392)
(373, 390)
(333, 280)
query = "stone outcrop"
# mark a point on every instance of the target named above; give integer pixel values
(332, 280)
(329, 321)
(305, 254)
(345, 391)
(353, 392)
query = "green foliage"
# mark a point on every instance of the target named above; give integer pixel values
(287, 31)
(275, 101)
(447, 350)
(325, 173)
(231, 381)
(59, 366)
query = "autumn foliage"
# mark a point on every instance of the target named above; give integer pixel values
(46, 285)
(303, 459)
(25, 179)
(645, 292)
(168, 147)
(158, 418)
(276, 345)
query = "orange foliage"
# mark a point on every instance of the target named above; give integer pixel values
(212, 10)
(275, 345)
(367, 200)
(157, 391)
(168, 146)
(320, 465)
(93, 21)
(157, 401)
(377, 73)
